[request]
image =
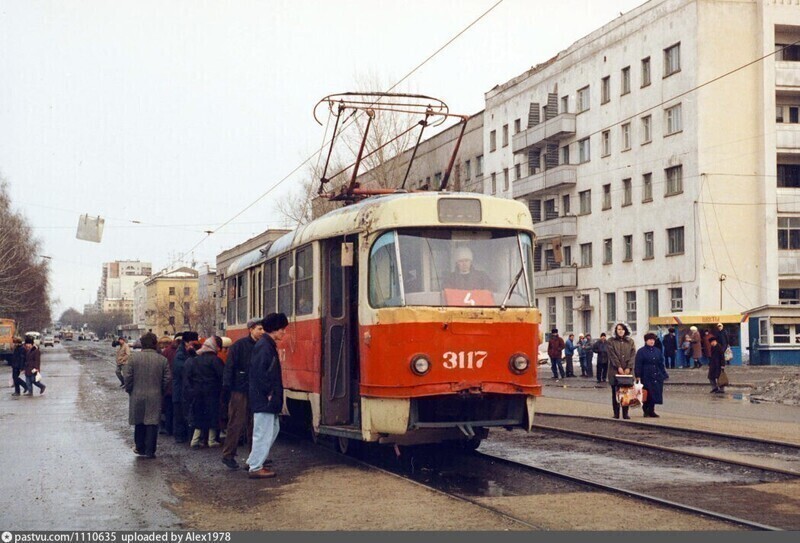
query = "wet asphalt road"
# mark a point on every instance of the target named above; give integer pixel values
(67, 466)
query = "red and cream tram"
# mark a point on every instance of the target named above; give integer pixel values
(412, 317)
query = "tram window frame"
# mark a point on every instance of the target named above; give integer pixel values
(230, 312)
(285, 285)
(393, 298)
(256, 291)
(270, 287)
(241, 297)
(304, 280)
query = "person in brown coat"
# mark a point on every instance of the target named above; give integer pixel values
(697, 346)
(621, 361)
(33, 363)
(555, 346)
(146, 378)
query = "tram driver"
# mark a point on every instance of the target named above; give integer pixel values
(465, 276)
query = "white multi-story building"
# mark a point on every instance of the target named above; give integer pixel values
(660, 178)
(117, 283)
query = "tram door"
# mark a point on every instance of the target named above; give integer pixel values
(338, 352)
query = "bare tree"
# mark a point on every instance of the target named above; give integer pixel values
(175, 312)
(205, 315)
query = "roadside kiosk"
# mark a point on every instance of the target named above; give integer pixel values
(774, 335)
(704, 321)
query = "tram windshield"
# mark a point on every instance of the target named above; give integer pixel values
(441, 267)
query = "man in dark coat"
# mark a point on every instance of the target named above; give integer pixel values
(266, 393)
(600, 348)
(670, 348)
(203, 377)
(715, 365)
(180, 428)
(554, 350)
(236, 388)
(649, 367)
(33, 363)
(17, 366)
(146, 378)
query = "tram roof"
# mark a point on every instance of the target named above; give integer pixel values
(385, 212)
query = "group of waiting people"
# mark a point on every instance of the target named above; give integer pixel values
(189, 384)
(26, 359)
(586, 349)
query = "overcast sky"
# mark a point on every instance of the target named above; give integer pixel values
(178, 114)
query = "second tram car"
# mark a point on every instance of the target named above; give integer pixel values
(412, 317)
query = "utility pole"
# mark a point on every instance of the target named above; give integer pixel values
(722, 278)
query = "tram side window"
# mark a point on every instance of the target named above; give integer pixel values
(384, 284)
(241, 297)
(304, 271)
(230, 314)
(269, 287)
(256, 292)
(285, 290)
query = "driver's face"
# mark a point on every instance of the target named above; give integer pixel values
(464, 265)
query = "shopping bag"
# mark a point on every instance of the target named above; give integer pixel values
(37, 375)
(626, 397)
(728, 354)
(722, 380)
(641, 393)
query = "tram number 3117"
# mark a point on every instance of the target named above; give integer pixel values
(464, 359)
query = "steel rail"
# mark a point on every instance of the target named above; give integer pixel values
(632, 493)
(663, 448)
(682, 429)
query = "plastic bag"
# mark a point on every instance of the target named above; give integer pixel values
(641, 393)
(722, 380)
(37, 376)
(627, 396)
(728, 354)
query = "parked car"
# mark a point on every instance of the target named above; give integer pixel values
(49, 341)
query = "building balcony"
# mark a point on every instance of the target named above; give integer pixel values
(559, 127)
(562, 227)
(789, 263)
(787, 137)
(787, 73)
(548, 180)
(566, 277)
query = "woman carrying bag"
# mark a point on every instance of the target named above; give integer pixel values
(651, 371)
(621, 357)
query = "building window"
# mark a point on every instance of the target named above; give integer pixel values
(551, 312)
(647, 187)
(672, 60)
(550, 211)
(789, 233)
(789, 296)
(506, 179)
(517, 171)
(172, 291)
(787, 52)
(565, 204)
(626, 80)
(630, 309)
(568, 321)
(517, 126)
(505, 135)
(186, 319)
(607, 196)
(675, 240)
(605, 143)
(586, 202)
(172, 321)
(608, 251)
(674, 177)
(676, 299)
(781, 333)
(567, 252)
(649, 251)
(652, 303)
(611, 310)
(479, 166)
(628, 244)
(627, 192)
(647, 129)
(494, 183)
(586, 255)
(789, 176)
(584, 151)
(565, 104)
(583, 99)
(605, 90)
(763, 331)
(645, 71)
(672, 120)
(626, 136)
(565, 155)
(172, 306)
(467, 170)
(187, 291)
(492, 141)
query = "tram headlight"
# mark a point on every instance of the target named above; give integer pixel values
(420, 364)
(519, 363)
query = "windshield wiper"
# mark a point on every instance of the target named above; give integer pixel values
(512, 287)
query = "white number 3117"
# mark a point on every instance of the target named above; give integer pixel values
(464, 359)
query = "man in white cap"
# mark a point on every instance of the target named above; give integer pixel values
(465, 277)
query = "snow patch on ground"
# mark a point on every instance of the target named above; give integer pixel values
(784, 389)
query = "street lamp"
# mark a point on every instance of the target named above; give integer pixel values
(722, 278)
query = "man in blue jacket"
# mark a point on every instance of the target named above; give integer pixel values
(569, 352)
(266, 393)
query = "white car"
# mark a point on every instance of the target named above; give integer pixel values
(49, 341)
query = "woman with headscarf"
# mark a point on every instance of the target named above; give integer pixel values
(204, 380)
(621, 355)
(697, 346)
(651, 371)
